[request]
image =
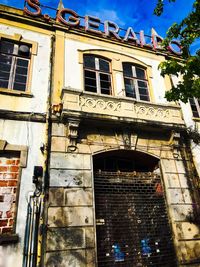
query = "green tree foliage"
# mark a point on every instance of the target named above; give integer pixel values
(188, 31)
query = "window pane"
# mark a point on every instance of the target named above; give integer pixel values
(5, 66)
(142, 84)
(129, 88)
(4, 75)
(5, 63)
(194, 108)
(143, 90)
(127, 69)
(90, 81)
(3, 83)
(21, 71)
(105, 77)
(19, 86)
(89, 62)
(140, 73)
(13, 69)
(143, 94)
(6, 47)
(22, 67)
(104, 65)
(144, 97)
(22, 62)
(105, 84)
(20, 78)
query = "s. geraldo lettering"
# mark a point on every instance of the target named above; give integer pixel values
(92, 24)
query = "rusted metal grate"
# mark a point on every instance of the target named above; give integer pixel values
(132, 222)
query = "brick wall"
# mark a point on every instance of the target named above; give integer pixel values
(9, 174)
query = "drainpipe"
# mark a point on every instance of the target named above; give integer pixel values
(35, 232)
(26, 237)
(44, 196)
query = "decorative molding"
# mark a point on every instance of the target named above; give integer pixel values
(137, 109)
(72, 132)
(112, 107)
(100, 104)
(152, 112)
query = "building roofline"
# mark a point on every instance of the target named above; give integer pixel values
(18, 15)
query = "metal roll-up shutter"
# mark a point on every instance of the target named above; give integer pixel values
(132, 222)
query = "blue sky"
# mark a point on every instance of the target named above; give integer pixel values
(138, 13)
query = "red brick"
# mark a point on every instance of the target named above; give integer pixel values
(9, 214)
(14, 168)
(10, 175)
(3, 222)
(17, 162)
(12, 183)
(3, 183)
(7, 230)
(3, 168)
(11, 221)
(10, 162)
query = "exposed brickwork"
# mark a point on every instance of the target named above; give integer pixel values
(9, 173)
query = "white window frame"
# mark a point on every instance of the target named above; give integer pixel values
(135, 80)
(97, 74)
(14, 58)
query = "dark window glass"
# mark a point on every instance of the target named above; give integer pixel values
(140, 73)
(103, 65)
(135, 81)
(142, 84)
(14, 64)
(127, 69)
(89, 62)
(97, 80)
(195, 106)
(3, 83)
(7, 47)
(105, 84)
(90, 81)
(129, 88)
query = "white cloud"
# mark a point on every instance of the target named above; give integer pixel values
(106, 14)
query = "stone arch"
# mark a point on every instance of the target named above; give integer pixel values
(132, 227)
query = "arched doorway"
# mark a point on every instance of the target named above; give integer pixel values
(132, 224)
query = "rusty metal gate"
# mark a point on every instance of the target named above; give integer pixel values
(132, 223)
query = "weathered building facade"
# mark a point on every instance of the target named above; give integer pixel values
(24, 85)
(122, 188)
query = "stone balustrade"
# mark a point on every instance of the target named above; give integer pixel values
(118, 108)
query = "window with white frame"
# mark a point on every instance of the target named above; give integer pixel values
(135, 80)
(14, 64)
(97, 75)
(195, 106)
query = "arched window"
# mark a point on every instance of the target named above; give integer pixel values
(97, 75)
(135, 80)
